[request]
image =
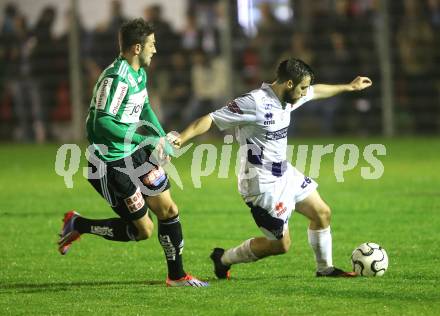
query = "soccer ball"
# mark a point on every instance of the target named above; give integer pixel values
(369, 259)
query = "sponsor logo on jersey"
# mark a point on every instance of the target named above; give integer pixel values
(121, 91)
(103, 93)
(269, 121)
(234, 108)
(280, 209)
(134, 106)
(276, 135)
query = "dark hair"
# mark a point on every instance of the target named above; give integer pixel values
(294, 69)
(134, 32)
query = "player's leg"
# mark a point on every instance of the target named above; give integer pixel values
(144, 227)
(169, 231)
(264, 247)
(250, 250)
(319, 234)
(275, 242)
(257, 248)
(129, 227)
(125, 199)
(171, 239)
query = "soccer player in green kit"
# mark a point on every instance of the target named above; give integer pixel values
(120, 101)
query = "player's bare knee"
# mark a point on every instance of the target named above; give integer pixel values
(168, 211)
(322, 216)
(173, 210)
(325, 215)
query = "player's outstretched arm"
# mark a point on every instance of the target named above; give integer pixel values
(198, 127)
(322, 91)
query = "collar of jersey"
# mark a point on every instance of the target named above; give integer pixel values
(266, 87)
(131, 70)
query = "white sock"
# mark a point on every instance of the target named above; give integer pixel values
(239, 254)
(321, 243)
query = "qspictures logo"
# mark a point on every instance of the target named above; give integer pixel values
(208, 159)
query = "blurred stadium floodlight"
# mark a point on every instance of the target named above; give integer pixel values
(75, 75)
(383, 44)
(249, 13)
(245, 17)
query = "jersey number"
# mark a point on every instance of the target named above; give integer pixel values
(306, 182)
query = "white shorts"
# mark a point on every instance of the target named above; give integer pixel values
(272, 210)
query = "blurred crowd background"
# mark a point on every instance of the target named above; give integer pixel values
(226, 48)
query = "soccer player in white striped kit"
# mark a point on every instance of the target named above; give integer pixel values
(270, 185)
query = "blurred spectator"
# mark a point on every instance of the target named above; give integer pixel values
(42, 67)
(201, 30)
(10, 13)
(63, 111)
(43, 52)
(167, 38)
(7, 34)
(341, 18)
(331, 36)
(320, 24)
(299, 48)
(415, 42)
(434, 14)
(364, 19)
(191, 33)
(175, 91)
(208, 78)
(208, 16)
(337, 67)
(19, 82)
(167, 41)
(271, 36)
(104, 39)
(251, 66)
(117, 17)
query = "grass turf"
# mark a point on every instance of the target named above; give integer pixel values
(399, 211)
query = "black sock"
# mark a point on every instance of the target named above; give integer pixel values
(115, 229)
(171, 239)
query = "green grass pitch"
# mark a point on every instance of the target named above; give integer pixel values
(400, 211)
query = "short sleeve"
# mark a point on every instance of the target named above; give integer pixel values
(240, 111)
(309, 96)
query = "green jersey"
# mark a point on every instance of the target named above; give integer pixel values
(120, 100)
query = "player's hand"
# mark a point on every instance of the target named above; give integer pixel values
(174, 139)
(161, 154)
(360, 83)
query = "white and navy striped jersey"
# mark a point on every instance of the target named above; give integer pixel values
(261, 123)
